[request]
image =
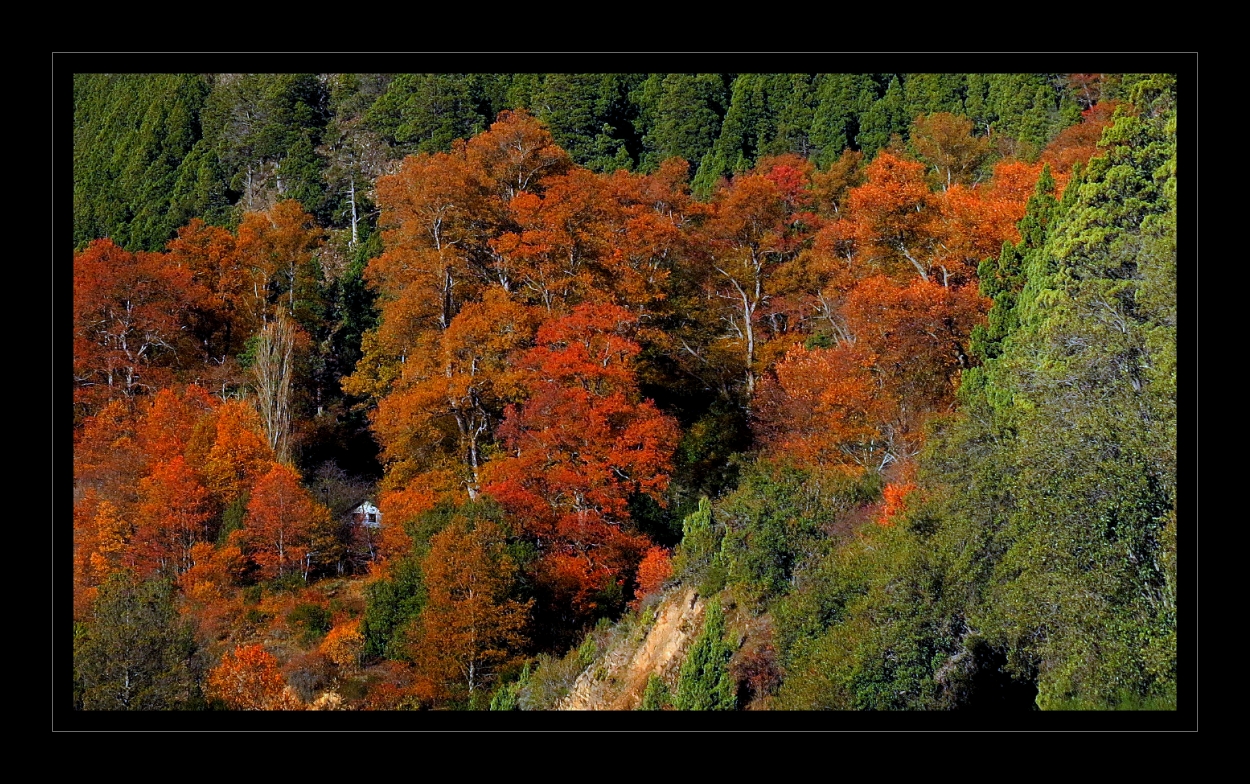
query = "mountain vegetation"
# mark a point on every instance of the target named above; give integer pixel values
(882, 366)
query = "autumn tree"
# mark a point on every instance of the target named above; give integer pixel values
(946, 143)
(166, 426)
(893, 216)
(517, 154)
(344, 645)
(443, 408)
(173, 515)
(273, 248)
(210, 254)
(437, 213)
(1078, 143)
(831, 184)
(441, 367)
(102, 539)
(129, 314)
(284, 523)
(653, 239)
(918, 337)
(758, 224)
(822, 406)
(230, 451)
(578, 449)
(471, 625)
(248, 678)
(653, 571)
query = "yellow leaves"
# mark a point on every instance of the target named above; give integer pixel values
(344, 645)
(112, 537)
(240, 453)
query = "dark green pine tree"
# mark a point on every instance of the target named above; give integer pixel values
(1038, 121)
(199, 189)
(768, 114)
(301, 177)
(735, 146)
(1069, 106)
(591, 116)
(489, 93)
(132, 134)
(705, 682)
(521, 89)
(646, 99)
(656, 696)
(679, 116)
(254, 122)
(930, 93)
(426, 112)
(1022, 107)
(136, 652)
(841, 99)
(1002, 279)
(793, 103)
(976, 103)
(886, 117)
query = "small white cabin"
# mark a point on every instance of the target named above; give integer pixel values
(367, 515)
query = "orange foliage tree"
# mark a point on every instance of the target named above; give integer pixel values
(230, 451)
(654, 570)
(918, 337)
(761, 221)
(173, 515)
(273, 246)
(101, 547)
(211, 255)
(1078, 143)
(284, 524)
(822, 406)
(893, 217)
(946, 143)
(248, 678)
(344, 645)
(442, 409)
(168, 423)
(470, 627)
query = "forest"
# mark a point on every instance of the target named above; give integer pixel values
(670, 391)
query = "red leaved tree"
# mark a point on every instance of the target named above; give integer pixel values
(577, 449)
(654, 570)
(284, 523)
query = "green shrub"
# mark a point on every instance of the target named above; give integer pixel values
(311, 622)
(507, 697)
(657, 695)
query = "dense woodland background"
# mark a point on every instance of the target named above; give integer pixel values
(882, 365)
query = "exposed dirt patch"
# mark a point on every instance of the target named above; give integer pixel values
(617, 679)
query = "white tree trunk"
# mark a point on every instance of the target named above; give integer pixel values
(272, 370)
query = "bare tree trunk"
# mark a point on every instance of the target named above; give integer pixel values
(352, 193)
(272, 370)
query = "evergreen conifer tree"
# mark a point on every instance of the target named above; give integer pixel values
(705, 680)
